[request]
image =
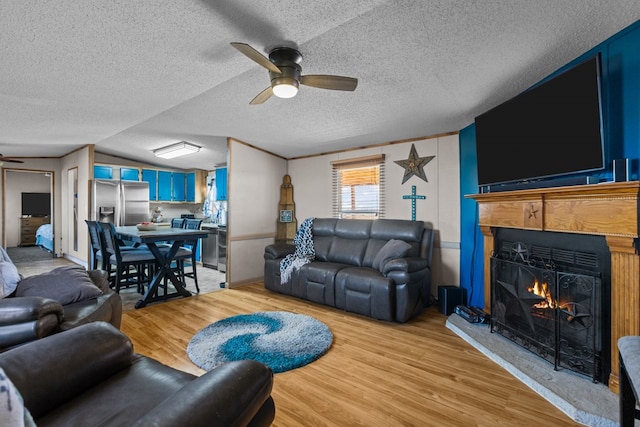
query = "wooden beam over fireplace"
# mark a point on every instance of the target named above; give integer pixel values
(607, 209)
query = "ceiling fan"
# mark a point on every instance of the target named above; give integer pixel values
(286, 76)
(9, 159)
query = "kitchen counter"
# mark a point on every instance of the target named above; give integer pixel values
(208, 225)
(211, 225)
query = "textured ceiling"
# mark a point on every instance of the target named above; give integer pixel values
(131, 76)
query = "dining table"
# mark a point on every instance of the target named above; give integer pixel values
(164, 271)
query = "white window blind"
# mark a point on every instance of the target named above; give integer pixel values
(358, 188)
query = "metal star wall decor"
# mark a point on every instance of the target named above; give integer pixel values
(414, 165)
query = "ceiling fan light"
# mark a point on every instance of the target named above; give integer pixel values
(284, 87)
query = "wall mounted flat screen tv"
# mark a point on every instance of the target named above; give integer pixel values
(36, 204)
(553, 129)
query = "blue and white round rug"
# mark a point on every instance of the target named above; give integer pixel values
(279, 339)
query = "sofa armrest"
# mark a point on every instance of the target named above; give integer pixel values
(278, 250)
(100, 278)
(231, 394)
(408, 265)
(53, 370)
(23, 309)
(24, 319)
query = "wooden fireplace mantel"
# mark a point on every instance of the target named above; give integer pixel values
(606, 209)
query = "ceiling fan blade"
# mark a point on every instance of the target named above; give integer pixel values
(329, 82)
(262, 96)
(256, 56)
(8, 159)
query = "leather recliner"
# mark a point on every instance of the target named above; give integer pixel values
(24, 319)
(90, 376)
(342, 275)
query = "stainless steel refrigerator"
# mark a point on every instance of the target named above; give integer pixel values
(120, 202)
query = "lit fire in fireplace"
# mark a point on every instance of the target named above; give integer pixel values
(542, 290)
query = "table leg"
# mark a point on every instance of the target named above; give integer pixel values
(164, 271)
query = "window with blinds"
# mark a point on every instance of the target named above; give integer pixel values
(358, 188)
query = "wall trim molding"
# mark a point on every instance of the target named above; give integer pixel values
(244, 237)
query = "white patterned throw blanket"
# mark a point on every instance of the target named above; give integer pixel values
(304, 254)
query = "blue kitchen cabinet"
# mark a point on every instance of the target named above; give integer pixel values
(190, 186)
(164, 186)
(168, 186)
(221, 184)
(129, 174)
(102, 172)
(177, 189)
(151, 176)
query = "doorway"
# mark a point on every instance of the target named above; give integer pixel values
(27, 221)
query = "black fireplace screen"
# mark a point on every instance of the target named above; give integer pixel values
(551, 309)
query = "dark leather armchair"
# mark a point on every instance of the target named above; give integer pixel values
(27, 318)
(90, 376)
(629, 362)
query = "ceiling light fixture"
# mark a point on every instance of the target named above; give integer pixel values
(176, 150)
(285, 87)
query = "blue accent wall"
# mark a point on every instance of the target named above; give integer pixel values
(471, 243)
(621, 113)
(623, 90)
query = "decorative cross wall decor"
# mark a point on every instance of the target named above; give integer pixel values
(413, 198)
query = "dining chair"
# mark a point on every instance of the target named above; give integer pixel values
(97, 246)
(192, 247)
(177, 223)
(98, 260)
(132, 267)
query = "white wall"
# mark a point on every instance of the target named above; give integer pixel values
(80, 160)
(311, 178)
(253, 195)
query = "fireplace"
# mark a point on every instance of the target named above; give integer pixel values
(606, 210)
(549, 295)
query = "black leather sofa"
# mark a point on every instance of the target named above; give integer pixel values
(342, 274)
(90, 376)
(40, 313)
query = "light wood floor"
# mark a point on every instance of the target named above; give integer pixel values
(375, 374)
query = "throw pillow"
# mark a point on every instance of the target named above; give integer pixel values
(12, 410)
(392, 249)
(66, 285)
(10, 278)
